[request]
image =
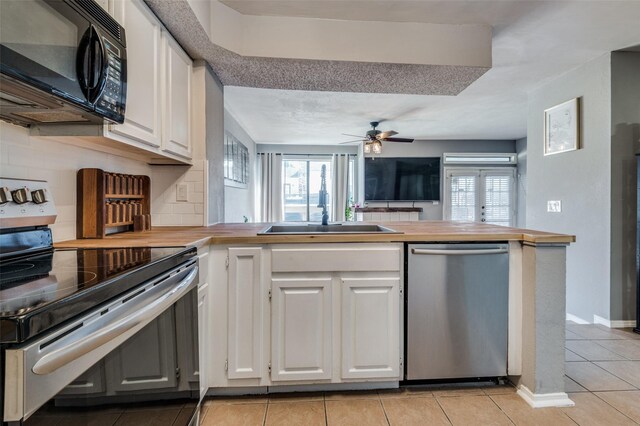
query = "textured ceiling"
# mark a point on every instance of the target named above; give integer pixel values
(306, 75)
(534, 41)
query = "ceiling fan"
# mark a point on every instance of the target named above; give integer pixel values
(373, 138)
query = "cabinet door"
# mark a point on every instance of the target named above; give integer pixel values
(203, 320)
(89, 383)
(246, 307)
(301, 321)
(147, 360)
(143, 109)
(370, 327)
(177, 93)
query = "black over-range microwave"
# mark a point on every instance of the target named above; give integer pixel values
(61, 61)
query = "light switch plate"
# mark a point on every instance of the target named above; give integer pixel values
(554, 206)
(182, 192)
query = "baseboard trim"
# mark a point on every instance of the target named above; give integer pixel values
(578, 320)
(613, 324)
(541, 400)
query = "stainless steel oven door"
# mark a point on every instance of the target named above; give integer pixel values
(141, 348)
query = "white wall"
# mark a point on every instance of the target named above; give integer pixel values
(214, 127)
(240, 202)
(580, 179)
(521, 193)
(435, 148)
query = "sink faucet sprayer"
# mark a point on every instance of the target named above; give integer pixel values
(322, 195)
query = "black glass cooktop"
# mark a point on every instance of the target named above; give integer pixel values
(43, 290)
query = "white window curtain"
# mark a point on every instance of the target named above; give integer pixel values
(270, 187)
(340, 186)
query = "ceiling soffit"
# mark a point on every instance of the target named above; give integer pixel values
(329, 55)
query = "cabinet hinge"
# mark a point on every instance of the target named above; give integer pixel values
(226, 365)
(226, 263)
(269, 367)
(269, 295)
(178, 373)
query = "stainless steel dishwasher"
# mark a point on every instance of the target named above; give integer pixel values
(457, 311)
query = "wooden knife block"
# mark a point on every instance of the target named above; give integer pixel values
(111, 202)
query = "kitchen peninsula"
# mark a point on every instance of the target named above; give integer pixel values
(326, 312)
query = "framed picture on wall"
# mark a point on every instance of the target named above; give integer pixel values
(562, 127)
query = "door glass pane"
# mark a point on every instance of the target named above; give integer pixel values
(295, 190)
(497, 199)
(463, 197)
(37, 31)
(315, 168)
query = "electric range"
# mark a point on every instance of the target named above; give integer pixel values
(88, 328)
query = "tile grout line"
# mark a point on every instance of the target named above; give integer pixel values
(443, 410)
(324, 404)
(384, 411)
(611, 350)
(500, 408)
(266, 411)
(596, 395)
(614, 375)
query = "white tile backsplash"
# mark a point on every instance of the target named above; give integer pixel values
(24, 156)
(165, 209)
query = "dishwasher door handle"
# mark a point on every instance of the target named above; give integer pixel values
(459, 252)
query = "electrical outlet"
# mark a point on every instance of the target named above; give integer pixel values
(554, 206)
(182, 192)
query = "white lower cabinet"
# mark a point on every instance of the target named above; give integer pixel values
(370, 327)
(245, 311)
(279, 318)
(301, 323)
(203, 318)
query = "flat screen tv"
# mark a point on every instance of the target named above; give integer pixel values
(402, 179)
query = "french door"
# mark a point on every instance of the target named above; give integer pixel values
(480, 195)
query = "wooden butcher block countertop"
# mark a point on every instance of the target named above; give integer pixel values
(246, 233)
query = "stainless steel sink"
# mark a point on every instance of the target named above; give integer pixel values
(327, 229)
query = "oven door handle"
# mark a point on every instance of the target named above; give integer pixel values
(75, 349)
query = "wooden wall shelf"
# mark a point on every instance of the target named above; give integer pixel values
(388, 209)
(109, 200)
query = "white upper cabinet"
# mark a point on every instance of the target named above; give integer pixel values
(143, 110)
(177, 98)
(159, 79)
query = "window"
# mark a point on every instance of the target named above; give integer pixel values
(236, 162)
(301, 189)
(480, 195)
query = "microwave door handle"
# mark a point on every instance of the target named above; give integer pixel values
(83, 64)
(99, 66)
(74, 350)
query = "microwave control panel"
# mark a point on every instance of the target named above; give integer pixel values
(111, 101)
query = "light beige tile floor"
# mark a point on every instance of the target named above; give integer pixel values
(603, 379)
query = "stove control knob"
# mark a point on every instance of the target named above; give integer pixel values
(39, 196)
(5, 195)
(21, 195)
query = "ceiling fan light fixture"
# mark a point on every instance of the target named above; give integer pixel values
(367, 148)
(376, 147)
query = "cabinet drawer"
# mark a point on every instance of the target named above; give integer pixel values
(341, 257)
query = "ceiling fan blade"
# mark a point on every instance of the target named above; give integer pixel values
(347, 134)
(357, 140)
(386, 134)
(398, 140)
